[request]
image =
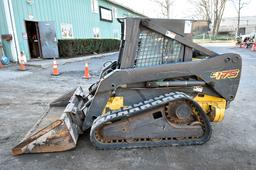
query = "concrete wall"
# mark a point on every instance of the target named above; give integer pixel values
(75, 12)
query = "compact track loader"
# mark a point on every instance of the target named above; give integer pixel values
(164, 90)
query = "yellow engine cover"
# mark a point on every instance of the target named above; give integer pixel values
(114, 103)
(213, 106)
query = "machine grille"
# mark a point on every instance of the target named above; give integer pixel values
(155, 49)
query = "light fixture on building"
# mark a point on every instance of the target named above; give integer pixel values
(30, 16)
(29, 2)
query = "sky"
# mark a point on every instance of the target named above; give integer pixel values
(183, 8)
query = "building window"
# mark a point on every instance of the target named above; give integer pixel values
(96, 32)
(94, 5)
(106, 14)
(114, 11)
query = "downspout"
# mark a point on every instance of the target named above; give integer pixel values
(15, 49)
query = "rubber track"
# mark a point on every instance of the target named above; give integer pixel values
(141, 108)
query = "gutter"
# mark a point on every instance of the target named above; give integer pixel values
(15, 49)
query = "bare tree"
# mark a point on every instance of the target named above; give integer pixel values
(203, 9)
(165, 6)
(211, 10)
(239, 5)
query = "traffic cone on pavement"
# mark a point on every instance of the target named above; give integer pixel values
(55, 70)
(86, 71)
(253, 47)
(22, 64)
(242, 45)
(1, 65)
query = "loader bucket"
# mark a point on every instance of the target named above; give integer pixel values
(57, 129)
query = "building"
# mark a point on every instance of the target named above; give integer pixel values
(229, 25)
(34, 26)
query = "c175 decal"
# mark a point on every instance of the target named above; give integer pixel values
(220, 75)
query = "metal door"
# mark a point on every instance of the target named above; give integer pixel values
(48, 39)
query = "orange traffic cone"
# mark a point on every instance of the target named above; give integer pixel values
(253, 47)
(22, 66)
(86, 71)
(55, 70)
(1, 65)
(242, 45)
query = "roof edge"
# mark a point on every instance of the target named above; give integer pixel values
(125, 7)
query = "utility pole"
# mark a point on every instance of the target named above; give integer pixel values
(239, 5)
(238, 17)
(169, 8)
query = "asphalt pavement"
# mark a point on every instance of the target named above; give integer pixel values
(24, 97)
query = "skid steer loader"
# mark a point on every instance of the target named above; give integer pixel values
(164, 90)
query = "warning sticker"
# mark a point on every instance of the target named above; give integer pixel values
(170, 34)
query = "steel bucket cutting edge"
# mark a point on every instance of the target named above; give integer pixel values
(56, 130)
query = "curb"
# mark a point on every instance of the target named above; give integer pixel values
(47, 63)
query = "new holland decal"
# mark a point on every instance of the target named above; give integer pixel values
(220, 75)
